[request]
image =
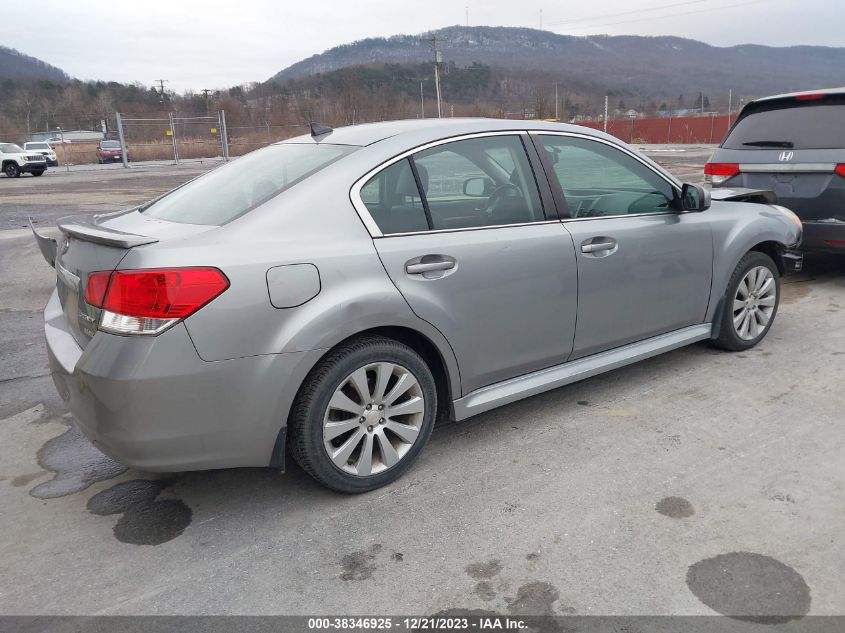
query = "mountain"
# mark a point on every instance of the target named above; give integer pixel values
(653, 66)
(16, 65)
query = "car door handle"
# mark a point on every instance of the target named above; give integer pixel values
(426, 267)
(598, 247)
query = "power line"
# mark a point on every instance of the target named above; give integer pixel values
(671, 15)
(618, 14)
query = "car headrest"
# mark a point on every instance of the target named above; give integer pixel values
(406, 185)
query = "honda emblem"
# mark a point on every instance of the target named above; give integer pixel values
(785, 156)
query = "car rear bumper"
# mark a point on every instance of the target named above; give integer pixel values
(824, 236)
(152, 403)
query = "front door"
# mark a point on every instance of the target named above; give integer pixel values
(475, 255)
(643, 268)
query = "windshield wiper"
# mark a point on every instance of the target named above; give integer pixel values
(786, 144)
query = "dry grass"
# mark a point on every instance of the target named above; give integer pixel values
(162, 150)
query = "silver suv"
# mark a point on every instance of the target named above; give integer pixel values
(337, 293)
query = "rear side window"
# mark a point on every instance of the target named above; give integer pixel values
(797, 125)
(472, 183)
(393, 200)
(229, 191)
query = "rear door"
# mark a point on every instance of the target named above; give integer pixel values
(643, 268)
(479, 259)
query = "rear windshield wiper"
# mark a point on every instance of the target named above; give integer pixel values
(786, 144)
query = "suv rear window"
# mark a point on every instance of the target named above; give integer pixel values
(791, 125)
(229, 191)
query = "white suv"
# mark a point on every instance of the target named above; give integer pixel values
(16, 161)
(43, 148)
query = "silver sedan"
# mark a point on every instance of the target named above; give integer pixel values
(332, 296)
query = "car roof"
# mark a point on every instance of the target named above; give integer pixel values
(369, 133)
(792, 95)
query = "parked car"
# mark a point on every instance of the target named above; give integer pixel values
(110, 152)
(336, 293)
(16, 161)
(794, 145)
(43, 148)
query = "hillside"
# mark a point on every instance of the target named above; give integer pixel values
(16, 65)
(654, 66)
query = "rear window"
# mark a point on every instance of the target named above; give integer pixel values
(229, 191)
(110, 145)
(809, 125)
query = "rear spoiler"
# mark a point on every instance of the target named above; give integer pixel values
(741, 194)
(90, 232)
(47, 245)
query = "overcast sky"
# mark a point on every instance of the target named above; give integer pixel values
(216, 44)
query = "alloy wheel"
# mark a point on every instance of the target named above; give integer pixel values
(754, 303)
(373, 418)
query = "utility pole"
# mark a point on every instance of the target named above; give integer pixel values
(702, 103)
(605, 113)
(422, 102)
(161, 83)
(730, 103)
(437, 59)
(556, 103)
(205, 92)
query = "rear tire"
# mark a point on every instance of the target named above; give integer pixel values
(12, 170)
(750, 303)
(352, 441)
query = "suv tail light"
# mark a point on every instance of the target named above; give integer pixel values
(150, 301)
(717, 173)
(840, 169)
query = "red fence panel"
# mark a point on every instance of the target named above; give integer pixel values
(691, 129)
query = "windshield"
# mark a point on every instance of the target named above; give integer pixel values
(37, 146)
(789, 126)
(110, 145)
(10, 148)
(229, 191)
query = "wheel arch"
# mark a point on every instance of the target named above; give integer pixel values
(443, 367)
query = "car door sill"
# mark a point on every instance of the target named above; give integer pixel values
(514, 389)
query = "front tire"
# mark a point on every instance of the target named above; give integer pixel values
(363, 415)
(12, 170)
(750, 303)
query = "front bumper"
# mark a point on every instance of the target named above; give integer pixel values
(28, 168)
(152, 403)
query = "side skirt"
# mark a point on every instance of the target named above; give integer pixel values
(514, 389)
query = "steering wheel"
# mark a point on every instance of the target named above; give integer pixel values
(500, 194)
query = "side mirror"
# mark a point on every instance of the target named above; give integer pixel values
(478, 187)
(694, 197)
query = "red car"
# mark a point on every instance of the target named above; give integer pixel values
(109, 151)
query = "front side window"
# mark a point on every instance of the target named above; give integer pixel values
(599, 180)
(10, 148)
(229, 191)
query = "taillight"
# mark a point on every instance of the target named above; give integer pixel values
(840, 169)
(150, 301)
(815, 96)
(717, 173)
